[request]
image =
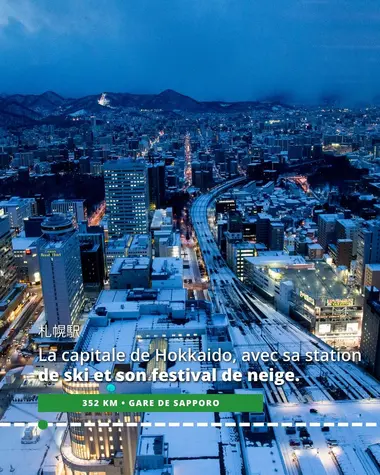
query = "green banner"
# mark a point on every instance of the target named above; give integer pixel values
(150, 403)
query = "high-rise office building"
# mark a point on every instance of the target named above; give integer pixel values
(368, 249)
(344, 252)
(276, 236)
(157, 188)
(232, 239)
(376, 147)
(40, 205)
(93, 269)
(249, 230)
(370, 341)
(326, 229)
(224, 205)
(171, 179)
(349, 229)
(239, 252)
(372, 275)
(100, 442)
(26, 260)
(7, 260)
(95, 235)
(235, 222)
(126, 191)
(32, 226)
(18, 209)
(263, 228)
(76, 208)
(202, 174)
(61, 271)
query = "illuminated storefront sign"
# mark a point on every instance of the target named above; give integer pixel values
(307, 298)
(50, 254)
(339, 302)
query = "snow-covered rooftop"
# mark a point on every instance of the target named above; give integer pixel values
(28, 459)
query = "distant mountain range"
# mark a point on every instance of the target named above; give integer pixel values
(28, 109)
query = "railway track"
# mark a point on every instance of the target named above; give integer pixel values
(260, 326)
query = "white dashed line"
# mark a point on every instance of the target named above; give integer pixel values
(193, 424)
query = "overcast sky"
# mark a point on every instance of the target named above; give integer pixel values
(209, 49)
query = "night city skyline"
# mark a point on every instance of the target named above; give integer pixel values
(189, 237)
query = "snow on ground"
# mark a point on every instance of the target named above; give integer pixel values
(229, 438)
(350, 455)
(290, 394)
(185, 441)
(310, 462)
(28, 412)
(349, 461)
(315, 393)
(192, 467)
(265, 460)
(375, 452)
(27, 459)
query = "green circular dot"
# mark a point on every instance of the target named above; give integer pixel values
(42, 424)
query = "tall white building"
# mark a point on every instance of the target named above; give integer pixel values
(61, 270)
(126, 191)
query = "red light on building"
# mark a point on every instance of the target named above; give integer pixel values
(28, 252)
